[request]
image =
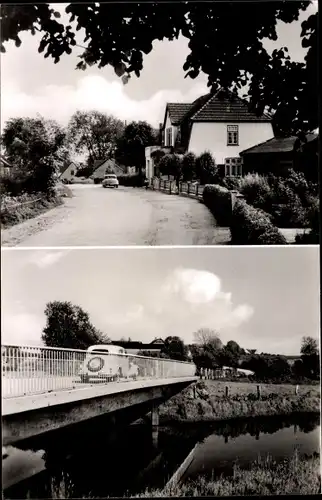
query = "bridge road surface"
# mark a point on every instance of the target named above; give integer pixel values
(119, 217)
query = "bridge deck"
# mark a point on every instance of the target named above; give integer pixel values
(21, 404)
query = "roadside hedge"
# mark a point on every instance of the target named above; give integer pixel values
(252, 226)
(131, 180)
(218, 200)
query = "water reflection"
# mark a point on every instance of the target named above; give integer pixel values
(88, 460)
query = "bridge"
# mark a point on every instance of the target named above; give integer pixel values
(45, 389)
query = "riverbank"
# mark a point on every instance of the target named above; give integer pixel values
(209, 402)
(294, 475)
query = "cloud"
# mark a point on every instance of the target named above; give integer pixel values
(187, 300)
(44, 259)
(93, 92)
(194, 286)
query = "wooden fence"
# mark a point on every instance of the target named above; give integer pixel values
(171, 187)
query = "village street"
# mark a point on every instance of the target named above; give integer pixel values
(115, 217)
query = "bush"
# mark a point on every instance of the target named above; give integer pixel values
(132, 180)
(188, 167)
(218, 200)
(256, 190)
(206, 170)
(251, 226)
(231, 183)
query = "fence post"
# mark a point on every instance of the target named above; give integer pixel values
(258, 392)
(188, 188)
(170, 184)
(296, 390)
(226, 391)
(197, 189)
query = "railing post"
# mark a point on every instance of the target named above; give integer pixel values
(296, 390)
(226, 391)
(188, 188)
(170, 184)
(197, 188)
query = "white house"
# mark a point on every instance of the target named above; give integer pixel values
(69, 173)
(220, 123)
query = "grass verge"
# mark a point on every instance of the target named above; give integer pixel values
(210, 403)
(18, 209)
(294, 475)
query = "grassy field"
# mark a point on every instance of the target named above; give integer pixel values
(209, 402)
(295, 475)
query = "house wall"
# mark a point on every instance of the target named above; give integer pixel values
(69, 173)
(149, 163)
(212, 136)
(174, 131)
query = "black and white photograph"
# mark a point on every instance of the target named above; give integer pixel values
(160, 372)
(190, 124)
(160, 249)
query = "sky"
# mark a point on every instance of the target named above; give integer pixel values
(263, 298)
(31, 84)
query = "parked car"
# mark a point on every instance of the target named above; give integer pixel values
(110, 180)
(105, 363)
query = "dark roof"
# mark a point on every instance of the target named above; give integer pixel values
(277, 145)
(177, 110)
(227, 107)
(98, 163)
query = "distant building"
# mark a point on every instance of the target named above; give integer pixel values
(68, 173)
(133, 347)
(103, 167)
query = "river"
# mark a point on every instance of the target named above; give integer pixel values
(89, 459)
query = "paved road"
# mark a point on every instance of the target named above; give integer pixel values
(97, 217)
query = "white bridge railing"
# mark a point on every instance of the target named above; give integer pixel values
(28, 370)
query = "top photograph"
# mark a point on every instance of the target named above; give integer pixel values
(159, 124)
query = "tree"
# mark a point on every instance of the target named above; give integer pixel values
(130, 149)
(120, 34)
(37, 148)
(174, 348)
(309, 346)
(95, 134)
(231, 354)
(310, 357)
(68, 326)
(206, 170)
(207, 337)
(188, 167)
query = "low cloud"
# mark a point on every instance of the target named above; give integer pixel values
(43, 259)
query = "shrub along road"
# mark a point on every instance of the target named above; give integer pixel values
(123, 216)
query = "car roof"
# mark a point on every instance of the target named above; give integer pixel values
(108, 347)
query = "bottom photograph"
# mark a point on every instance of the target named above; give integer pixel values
(160, 372)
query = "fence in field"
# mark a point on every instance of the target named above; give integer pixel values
(171, 187)
(28, 370)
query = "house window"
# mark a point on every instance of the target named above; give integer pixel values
(233, 167)
(169, 136)
(232, 135)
